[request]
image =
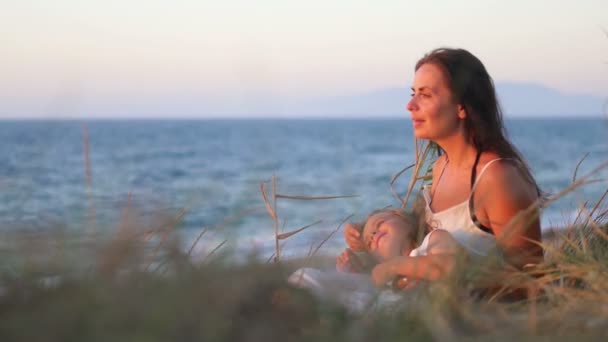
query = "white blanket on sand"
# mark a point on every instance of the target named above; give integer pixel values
(353, 291)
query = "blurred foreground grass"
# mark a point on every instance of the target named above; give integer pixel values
(140, 285)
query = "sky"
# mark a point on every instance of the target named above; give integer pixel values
(74, 58)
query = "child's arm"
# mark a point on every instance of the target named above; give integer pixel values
(439, 262)
(350, 262)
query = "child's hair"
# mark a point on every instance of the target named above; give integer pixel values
(413, 217)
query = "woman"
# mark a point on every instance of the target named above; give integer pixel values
(480, 182)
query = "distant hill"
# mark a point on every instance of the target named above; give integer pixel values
(517, 100)
(529, 99)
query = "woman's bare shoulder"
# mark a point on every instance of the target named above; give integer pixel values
(487, 157)
(500, 172)
(504, 179)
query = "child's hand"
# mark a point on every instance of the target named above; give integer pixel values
(347, 261)
(352, 235)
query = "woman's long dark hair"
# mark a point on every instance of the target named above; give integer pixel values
(473, 88)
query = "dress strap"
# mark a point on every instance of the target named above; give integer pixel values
(485, 167)
(474, 218)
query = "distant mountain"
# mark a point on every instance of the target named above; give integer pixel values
(517, 100)
(529, 99)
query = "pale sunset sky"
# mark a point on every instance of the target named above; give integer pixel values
(138, 58)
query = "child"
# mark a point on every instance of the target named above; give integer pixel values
(396, 241)
(391, 237)
(393, 240)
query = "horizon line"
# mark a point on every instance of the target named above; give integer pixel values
(279, 118)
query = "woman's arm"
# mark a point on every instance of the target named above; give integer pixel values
(439, 262)
(504, 198)
(349, 262)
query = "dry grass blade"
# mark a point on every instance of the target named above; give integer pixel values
(578, 215)
(125, 215)
(426, 177)
(271, 211)
(578, 165)
(217, 229)
(419, 162)
(180, 215)
(599, 231)
(597, 204)
(601, 215)
(270, 258)
(294, 232)
(549, 249)
(88, 176)
(567, 241)
(240, 214)
(394, 179)
(594, 225)
(585, 180)
(310, 250)
(331, 234)
(215, 249)
(416, 151)
(160, 265)
(276, 219)
(313, 198)
(165, 231)
(159, 245)
(203, 231)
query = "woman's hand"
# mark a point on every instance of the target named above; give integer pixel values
(347, 261)
(352, 236)
(382, 274)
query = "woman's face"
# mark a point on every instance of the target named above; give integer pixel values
(435, 115)
(386, 236)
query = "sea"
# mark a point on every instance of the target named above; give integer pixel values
(206, 175)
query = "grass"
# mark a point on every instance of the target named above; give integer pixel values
(138, 283)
